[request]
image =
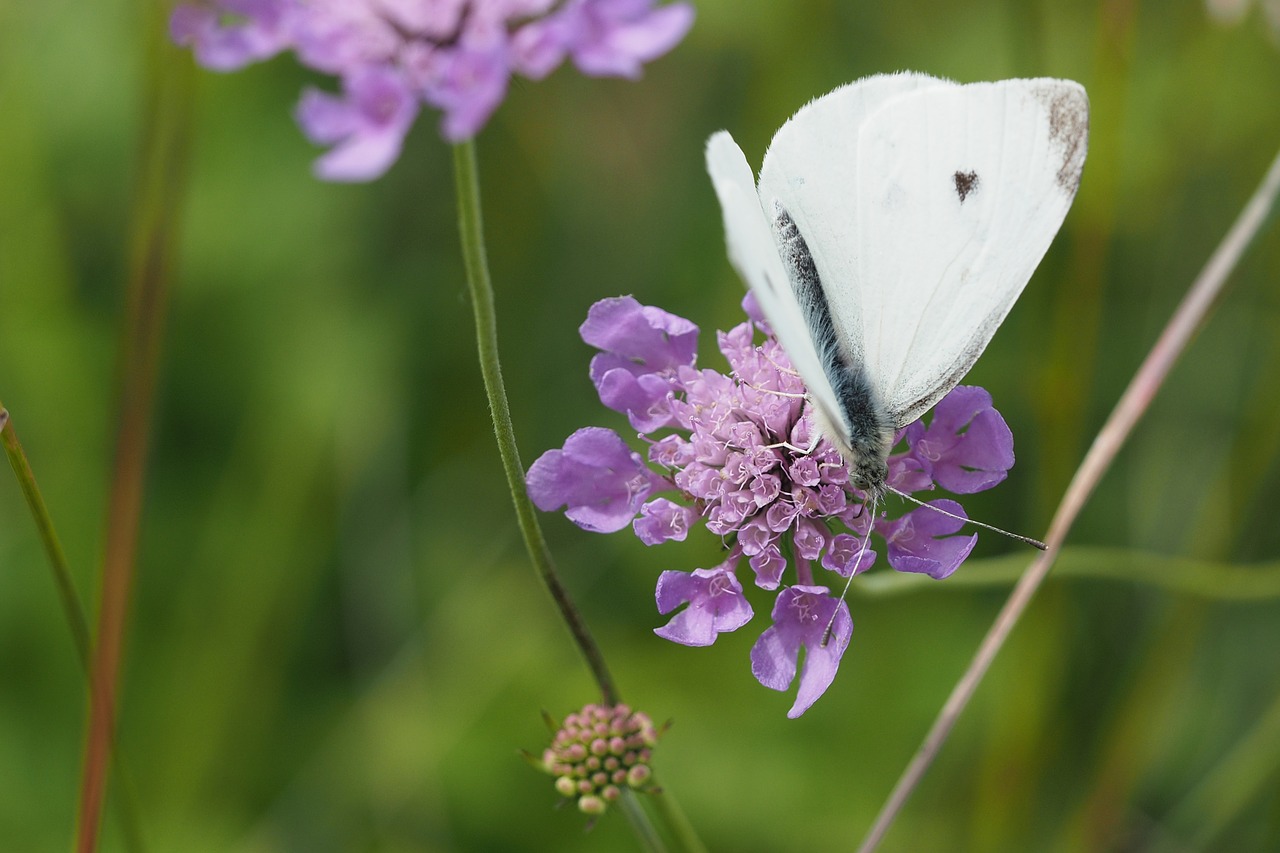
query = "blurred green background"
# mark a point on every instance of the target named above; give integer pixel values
(336, 642)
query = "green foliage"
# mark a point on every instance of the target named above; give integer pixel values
(336, 641)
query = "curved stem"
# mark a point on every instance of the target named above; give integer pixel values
(684, 838)
(72, 608)
(1191, 314)
(645, 832)
(471, 228)
(154, 231)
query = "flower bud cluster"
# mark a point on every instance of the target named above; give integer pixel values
(599, 751)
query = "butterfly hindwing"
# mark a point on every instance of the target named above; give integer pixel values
(754, 254)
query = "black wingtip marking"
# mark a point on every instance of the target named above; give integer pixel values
(966, 183)
(1068, 108)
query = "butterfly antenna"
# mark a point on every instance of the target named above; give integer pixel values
(826, 635)
(1035, 543)
(790, 395)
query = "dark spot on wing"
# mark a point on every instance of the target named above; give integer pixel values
(966, 182)
(1068, 109)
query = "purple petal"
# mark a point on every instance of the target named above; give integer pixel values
(615, 37)
(637, 338)
(958, 407)
(967, 447)
(716, 605)
(738, 347)
(765, 488)
(256, 33)
(469, 83)
(801, 615)
(781, 515)
(848, 555)
(539, 47)
(921, 541)
(644, 399)
(754, 537)
(810, 539)
(343, 38)
(805, 471)
(768, 566)
(662, 520)
(907, 473)
(832, 499)
(368, 124)
(673, 451)
(601, 480)
(751, 308)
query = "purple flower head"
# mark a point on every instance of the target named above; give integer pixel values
(454, 55)
(736, 450)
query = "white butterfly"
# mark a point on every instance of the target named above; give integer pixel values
(895, 223)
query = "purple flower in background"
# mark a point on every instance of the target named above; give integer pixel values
(391, 56)
(366, 127)
(737, 452)
(257, 31)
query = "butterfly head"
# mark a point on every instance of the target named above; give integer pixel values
(864, 444)
(869, 474)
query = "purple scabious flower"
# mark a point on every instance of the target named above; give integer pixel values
(739, 453)
(392, 56)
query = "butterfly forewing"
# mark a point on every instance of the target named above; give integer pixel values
(811, 170)
(960, 191)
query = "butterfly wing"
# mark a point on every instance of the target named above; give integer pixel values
(755, 256)
(811, 170)
(926, 206)
(961, 190)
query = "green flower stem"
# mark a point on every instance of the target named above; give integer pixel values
(645, 831)
(686, 839)
(471, 230)
(71, 605)
(72, 608)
